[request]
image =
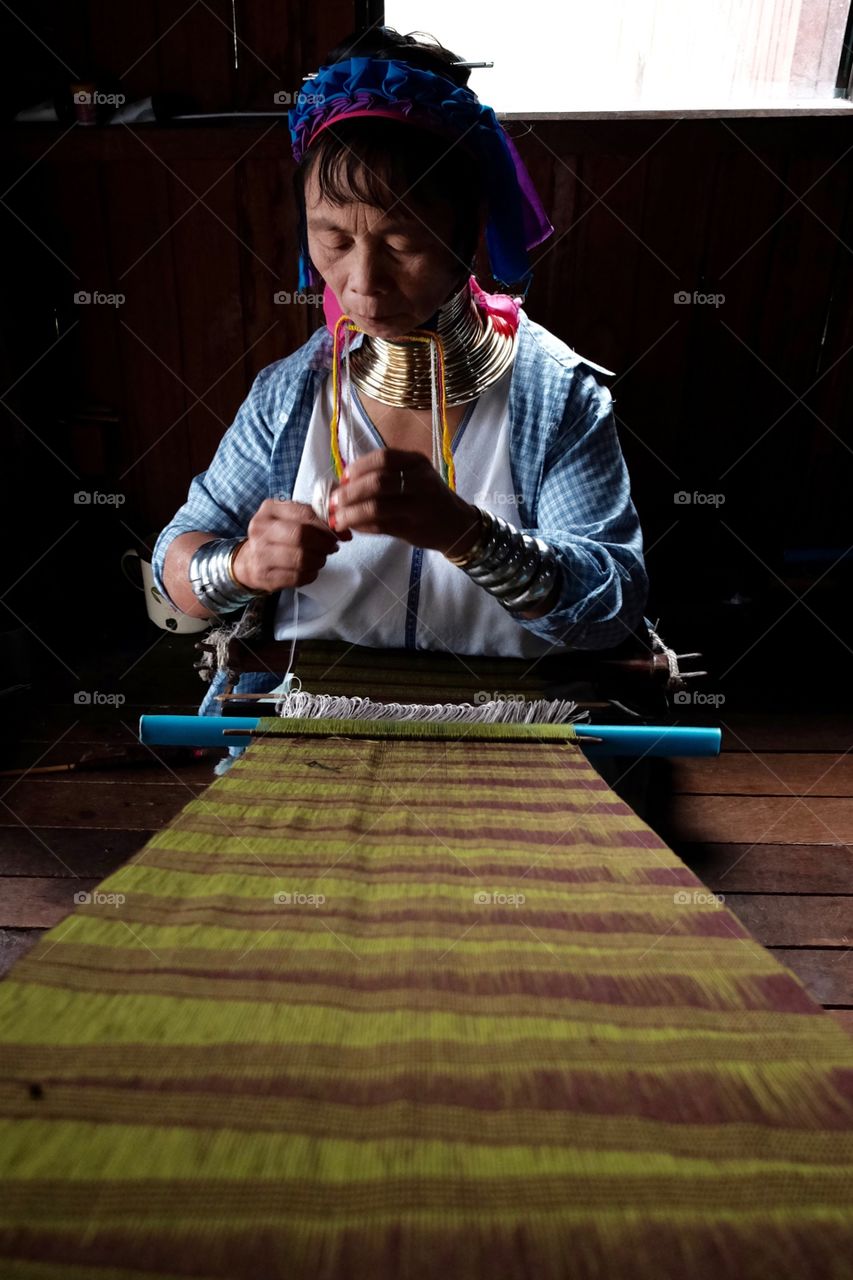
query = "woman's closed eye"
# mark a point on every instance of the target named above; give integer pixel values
(393, 246)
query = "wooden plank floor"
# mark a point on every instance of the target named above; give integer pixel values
(61, 834)
(769, 825)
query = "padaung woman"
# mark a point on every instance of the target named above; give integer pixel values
(432, 469)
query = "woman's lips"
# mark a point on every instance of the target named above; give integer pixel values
(391, 315)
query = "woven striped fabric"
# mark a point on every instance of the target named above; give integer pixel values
(333, 667)
(423, 1006)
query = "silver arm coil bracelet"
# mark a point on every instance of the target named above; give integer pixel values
(212, 579)
(520, 571)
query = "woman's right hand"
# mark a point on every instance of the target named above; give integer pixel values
(287, 546)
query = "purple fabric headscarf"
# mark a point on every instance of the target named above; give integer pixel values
(397, 90)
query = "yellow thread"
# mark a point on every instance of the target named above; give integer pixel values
(430, 336)
(336, 453)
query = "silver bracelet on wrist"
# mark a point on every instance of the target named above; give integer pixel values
(519, 570)
(527, 567)
(505, 576)
(212, 579)
(541, 585)
(497, 549)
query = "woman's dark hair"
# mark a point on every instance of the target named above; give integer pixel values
(371, 160)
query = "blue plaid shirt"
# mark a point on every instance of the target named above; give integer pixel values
(569, 474)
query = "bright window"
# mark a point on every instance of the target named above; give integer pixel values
(594, 55)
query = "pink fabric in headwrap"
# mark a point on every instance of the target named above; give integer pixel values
(502, 307)
(401, 112)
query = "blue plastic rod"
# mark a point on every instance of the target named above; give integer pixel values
(617, 739)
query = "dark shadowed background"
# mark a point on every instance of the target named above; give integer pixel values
(734, 406)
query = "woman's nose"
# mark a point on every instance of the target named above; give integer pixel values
(368, 274)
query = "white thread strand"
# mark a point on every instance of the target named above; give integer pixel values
(673, 680)
(288, 678)
(304, 705)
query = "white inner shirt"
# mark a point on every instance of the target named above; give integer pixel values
(380, 591)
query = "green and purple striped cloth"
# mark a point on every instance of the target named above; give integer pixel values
(416, 1008)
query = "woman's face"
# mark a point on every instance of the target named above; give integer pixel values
(389, 272)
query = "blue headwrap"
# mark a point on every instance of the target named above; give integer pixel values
(389, 88)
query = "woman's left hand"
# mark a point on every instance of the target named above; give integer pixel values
(398, 492)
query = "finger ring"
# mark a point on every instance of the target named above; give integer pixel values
(402, 481)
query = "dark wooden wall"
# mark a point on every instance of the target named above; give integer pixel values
(751, 399)
(184, 47)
